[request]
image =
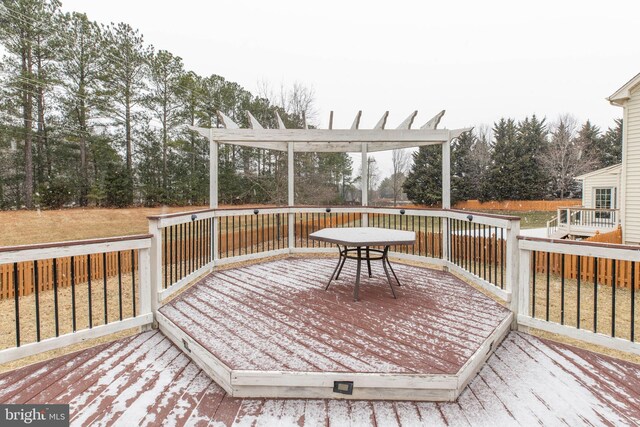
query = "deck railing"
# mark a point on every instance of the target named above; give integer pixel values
(584, 290)
(64, 293)
(585, 221)
(480, 247)
(58, 294)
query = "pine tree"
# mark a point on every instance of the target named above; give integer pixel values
(81, 102)
(530, 148)
(612, 144)
(424, 181)
(590, 139)
(125, 59)
(502, 174)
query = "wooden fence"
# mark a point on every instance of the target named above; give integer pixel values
(518, 205)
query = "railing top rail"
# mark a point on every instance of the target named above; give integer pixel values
(487, 215)
(576, 243)
(74, 243)
(581, 208)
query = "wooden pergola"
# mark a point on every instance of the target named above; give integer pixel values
(353, 140)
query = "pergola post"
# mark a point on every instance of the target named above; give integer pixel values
(213, 172)
(446, 192)
(291, 194)
(446, 174)
(365, 183)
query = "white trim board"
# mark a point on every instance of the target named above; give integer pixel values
(74, 338)
(580, 334)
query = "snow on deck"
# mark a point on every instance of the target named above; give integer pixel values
(277, 316)
(146, 380)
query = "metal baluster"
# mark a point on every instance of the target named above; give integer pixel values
(89, 291)
(548, 282)
(562, 289)
(633, 301)
(36, 288)
(16, 299)
(55, 296)
(104, 285)
(595, 294)
(578, 291)
(120, 284)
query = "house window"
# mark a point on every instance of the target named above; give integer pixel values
(604, 199)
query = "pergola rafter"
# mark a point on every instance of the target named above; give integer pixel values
(353, 140)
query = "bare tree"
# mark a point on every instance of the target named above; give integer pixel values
(400, 160)
(565, 157)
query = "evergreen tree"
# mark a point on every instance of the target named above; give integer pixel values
(25, 29)
(612, 144)
(163, 101)
(530, 148)
(502, 174)
(81, 102)
(424, 181)
(590, 138)
(125, 59)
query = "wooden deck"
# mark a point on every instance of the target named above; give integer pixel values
(273, 325)
(146, 380)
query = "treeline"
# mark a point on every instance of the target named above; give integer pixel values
(92, 115)
(528, 159)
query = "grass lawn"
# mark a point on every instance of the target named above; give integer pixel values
(28, 227)
(528, 219)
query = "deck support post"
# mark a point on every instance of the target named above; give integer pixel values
(512, 270)
(291, 195)
(154, 278)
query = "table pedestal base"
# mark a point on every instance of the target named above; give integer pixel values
(369, 255)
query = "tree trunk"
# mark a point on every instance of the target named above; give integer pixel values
(27, 108)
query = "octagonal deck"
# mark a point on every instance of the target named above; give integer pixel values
(270, 330)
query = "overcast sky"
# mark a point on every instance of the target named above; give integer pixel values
(479, 60)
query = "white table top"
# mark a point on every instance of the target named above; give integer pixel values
(364, 236)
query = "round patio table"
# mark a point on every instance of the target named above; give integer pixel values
(359, 243)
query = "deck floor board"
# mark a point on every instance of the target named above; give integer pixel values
(281, 311)
(276, 315)
(527, 381)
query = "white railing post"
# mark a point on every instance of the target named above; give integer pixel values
(155, 265)
(523, 282)
(512, 270)
(445, 238)
(214, 239)
(144, 281)
(291, 221)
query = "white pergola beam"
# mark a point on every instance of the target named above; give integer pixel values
(356, 121)
(382, 122)
(435, 120)
(253, 122)
(233, 136)
(280, 122)
(406, 124)
(227, 122)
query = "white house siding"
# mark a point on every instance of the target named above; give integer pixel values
(604, 180)
(631, 165)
